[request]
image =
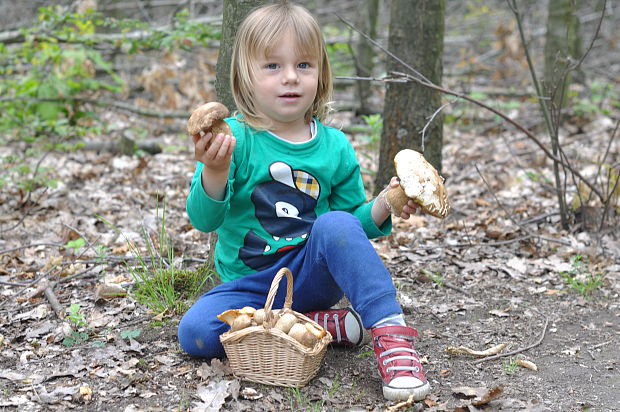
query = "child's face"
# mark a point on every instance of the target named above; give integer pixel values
(285, 84)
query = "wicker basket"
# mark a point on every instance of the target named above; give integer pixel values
(267, 355)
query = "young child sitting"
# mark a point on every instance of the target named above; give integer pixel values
(285, 190)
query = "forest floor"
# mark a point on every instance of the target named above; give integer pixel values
(494, 272)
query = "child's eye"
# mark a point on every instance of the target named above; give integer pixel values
(304, 65)
(271, 66)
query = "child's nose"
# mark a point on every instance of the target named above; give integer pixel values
(290, 75)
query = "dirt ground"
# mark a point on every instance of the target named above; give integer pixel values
(491, 273)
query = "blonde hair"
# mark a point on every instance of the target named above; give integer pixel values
(256, 36)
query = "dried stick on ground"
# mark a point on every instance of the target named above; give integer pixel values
(46, 288)
(405, 404)
(514, 352)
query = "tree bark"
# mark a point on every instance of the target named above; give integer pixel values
(562, 43)
(365, 55)
(416, 35)
(234, 13)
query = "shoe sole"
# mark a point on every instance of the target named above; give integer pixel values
(403, 394)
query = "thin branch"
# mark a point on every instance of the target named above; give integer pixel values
(58, 245)
(386, 51)
(503, 355)
(430, 120)
(162, 114)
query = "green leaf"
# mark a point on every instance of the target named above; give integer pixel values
(76, 245)
(130, 334)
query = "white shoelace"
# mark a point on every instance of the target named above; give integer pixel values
(325, 317)
(393, 358)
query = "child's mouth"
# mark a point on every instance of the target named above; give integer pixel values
(289, 96)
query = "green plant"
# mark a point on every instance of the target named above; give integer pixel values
(75, 244)
(159, 283)
(335, 385)
(581, 279)
(130, 334)
(435, 277)
(77, 318)
(600, 98)
(51, 76)
(366, 354)
(339, 52)
(510, 367)
(375, 122)
(537, 177)
(101, 253)
(26, 178)
(300, 402)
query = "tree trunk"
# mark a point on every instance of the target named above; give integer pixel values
(234, 13)
(416, 36)
(562, 43)
(365, 55)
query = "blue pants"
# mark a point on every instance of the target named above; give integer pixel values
(337, 259)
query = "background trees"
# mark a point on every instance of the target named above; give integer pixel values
(158, 59)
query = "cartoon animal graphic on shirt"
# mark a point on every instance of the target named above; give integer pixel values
(284, 207)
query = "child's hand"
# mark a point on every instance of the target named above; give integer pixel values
(215, 152)
(411, 208)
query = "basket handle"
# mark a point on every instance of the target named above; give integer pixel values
(288, 301)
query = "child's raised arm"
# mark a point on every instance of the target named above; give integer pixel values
(215, 153)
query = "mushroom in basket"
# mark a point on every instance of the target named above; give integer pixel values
(301, 331)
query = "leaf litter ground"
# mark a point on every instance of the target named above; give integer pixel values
(489, 274)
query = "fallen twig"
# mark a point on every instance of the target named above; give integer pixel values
(503, 355)
(462, 350)
(456, 288)
(49, 294)
(600, 345)
(402, 405)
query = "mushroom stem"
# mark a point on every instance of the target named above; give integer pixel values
(396, 199)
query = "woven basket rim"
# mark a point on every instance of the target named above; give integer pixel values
(239, 335)
(283, 343)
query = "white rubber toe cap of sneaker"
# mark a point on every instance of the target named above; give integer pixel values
(402, 387)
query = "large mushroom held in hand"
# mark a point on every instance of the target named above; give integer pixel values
(418, 181)
(209, 117)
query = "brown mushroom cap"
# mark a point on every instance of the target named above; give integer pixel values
(209, 118)
(418, 181)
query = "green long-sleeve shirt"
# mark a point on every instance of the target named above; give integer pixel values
(275, 191)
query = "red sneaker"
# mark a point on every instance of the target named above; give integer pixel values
(344, 325)
(399, 363)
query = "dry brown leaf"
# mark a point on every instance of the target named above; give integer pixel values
(482, 202)
(481, 395)
(462, 350)
(52, 262)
